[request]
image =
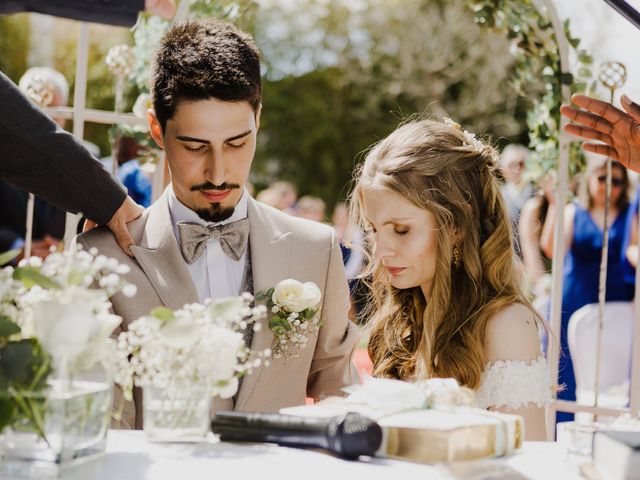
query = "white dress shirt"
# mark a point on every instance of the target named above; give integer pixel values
(214, 274)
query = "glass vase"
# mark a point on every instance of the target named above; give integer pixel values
(179, 412)
(62, 425)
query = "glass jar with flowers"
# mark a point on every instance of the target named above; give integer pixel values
(182, 359)
(55, 384)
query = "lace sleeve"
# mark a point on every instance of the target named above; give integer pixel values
(515, 383)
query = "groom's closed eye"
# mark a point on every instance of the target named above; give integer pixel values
(191, 148)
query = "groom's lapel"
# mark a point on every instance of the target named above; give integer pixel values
(159, 256)
(270, 264)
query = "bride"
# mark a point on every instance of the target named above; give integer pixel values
(446, 295)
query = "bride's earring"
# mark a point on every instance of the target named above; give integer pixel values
(457, 256)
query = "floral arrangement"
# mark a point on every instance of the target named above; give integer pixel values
(198, 343)
(535, 48)
(54, 318)
(295, 309)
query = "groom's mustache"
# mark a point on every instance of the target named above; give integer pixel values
(210, 186)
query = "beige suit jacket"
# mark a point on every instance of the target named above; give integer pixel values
(282, 247)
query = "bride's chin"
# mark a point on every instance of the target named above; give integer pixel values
(399, 284)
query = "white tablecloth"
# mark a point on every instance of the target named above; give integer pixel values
(130, 457)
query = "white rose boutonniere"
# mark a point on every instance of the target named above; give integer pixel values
(295, 315)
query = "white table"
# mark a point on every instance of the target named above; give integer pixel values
(130, 457)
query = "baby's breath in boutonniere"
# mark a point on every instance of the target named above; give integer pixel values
(295, 314)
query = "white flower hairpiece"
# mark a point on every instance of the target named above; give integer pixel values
(470, 138)
(41, 91)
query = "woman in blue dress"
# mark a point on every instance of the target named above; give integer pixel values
(583, 225)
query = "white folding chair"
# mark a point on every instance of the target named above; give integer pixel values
(615, 353)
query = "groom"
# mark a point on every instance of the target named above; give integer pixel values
(206, 237)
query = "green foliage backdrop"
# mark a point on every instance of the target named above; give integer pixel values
(340, 77)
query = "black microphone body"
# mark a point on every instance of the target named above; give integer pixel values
(348, 436)
(626, 10)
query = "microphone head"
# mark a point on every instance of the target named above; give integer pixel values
(355, 435)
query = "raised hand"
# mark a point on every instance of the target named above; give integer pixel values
(619, 131)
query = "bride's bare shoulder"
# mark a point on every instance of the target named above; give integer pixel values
(512, 334)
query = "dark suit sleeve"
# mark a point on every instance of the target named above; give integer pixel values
(113, 12)
(37, 155)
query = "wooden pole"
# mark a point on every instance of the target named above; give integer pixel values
(561, 195)
(28, 237)
(79, 102)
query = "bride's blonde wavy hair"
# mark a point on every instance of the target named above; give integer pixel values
(437, 167)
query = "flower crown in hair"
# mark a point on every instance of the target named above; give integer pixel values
(470, 138)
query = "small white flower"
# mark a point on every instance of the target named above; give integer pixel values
(275, 309)
(247, 297)
(123, 269)
(129, 290)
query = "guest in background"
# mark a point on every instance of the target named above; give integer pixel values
(312, 208)
(33, 84)
(515, 190)
(40, 82)
(584, 221)
(48, 222)
(353, 249)
(352, 255)
(271, 197)
(130, 173)
(288, 194)
(537, 264)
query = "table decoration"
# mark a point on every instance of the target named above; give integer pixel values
(182, 359)
(55, 379)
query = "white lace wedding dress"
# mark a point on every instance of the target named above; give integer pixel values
(515, 383)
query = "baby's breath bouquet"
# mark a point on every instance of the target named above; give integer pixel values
(184, 358)
(197, 342)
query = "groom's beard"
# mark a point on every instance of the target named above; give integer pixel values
(216, 212)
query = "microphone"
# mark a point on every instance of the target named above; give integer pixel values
(626, 10)
(348, 436)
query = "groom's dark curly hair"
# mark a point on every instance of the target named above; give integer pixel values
(203, 59)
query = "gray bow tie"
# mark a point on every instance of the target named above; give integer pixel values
(232, 237)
